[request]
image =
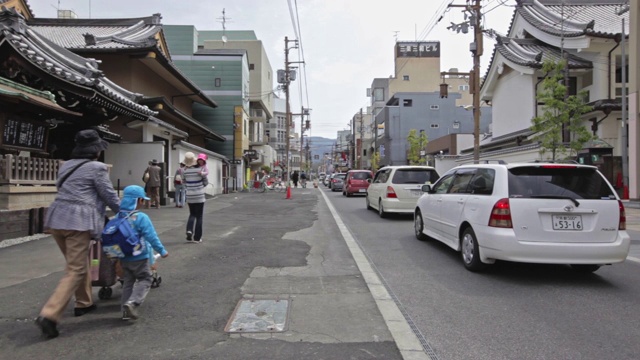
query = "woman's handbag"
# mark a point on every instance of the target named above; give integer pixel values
(145, 177)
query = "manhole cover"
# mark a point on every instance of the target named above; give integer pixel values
(259, 316)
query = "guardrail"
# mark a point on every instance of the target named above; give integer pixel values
(17, 170)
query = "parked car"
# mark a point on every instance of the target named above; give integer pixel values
(327, 179)
(337, 181)
(534, 212)
(396, 189)
(356, 182)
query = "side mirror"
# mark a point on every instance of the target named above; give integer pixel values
(369, 181)
(426, 188)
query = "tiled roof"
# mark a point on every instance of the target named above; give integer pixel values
(575, 18)
(67, 66)
(533, 53)
(105, 35)
(96, 34)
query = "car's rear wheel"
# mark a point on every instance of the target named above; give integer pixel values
(381, 212)
(585, 269)
(368, 204)
(470, 250)
(418, 226)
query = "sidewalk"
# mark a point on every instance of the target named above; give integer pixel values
(285, 257)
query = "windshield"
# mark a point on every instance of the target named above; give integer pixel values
(554, 182)
(414, 176)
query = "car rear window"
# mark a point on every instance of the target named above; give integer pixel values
(414, 176)
(340, 176)
(543, 181)
(361, 175)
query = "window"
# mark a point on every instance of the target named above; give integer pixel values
(414, 176)
(252, 66)
(218, 82)
(378, 94)
(577, 183)
(405, 77)
(619, 69)
(434, 107)
(407, 102)
(463, 87)
(443, 185)
(435, 126)
(482, 182)
(461, 181)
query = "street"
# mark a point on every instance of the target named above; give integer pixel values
(524, 311)
(344, 272)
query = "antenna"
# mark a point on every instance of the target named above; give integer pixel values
(395, 35)
(223, 20)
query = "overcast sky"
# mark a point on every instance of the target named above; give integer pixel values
(346, 43)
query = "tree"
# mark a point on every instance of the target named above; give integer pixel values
(375, 160)
(417, 143)
(559, 112)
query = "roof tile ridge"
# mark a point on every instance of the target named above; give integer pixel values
(557, 19)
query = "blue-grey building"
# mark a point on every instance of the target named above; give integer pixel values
(422, 111)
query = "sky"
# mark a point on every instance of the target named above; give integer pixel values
(345, 44)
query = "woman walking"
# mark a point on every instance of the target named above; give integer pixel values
(74, 218)
(193, 180)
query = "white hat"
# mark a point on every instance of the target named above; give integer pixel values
(189, 159)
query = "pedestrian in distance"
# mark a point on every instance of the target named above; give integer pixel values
(303, 179)
(179, 186)
(74, 218)
(137, 275)
(152, 174)
(193, 179)
(295, 178)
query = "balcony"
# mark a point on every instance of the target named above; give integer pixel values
(257, 115)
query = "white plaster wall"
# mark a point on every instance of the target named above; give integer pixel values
(513, 103)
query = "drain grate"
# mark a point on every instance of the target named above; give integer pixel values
(251, 316)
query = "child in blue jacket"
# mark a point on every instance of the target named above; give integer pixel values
(136, 271)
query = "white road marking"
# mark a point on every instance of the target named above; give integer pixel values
(408, 343)
(230, 232)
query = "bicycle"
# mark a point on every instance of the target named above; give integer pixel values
(271, 183)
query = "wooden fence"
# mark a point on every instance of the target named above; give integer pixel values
(18, 170)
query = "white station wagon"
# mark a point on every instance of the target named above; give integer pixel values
(396, 189)
(529, 212)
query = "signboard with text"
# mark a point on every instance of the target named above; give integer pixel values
(24, 134)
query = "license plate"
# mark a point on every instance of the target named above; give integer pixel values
(362, 190)
(567, 222)
(416, 193)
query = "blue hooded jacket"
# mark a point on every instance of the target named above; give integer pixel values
(140, 222)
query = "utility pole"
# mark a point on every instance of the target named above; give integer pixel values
(285, 78)
(625, 150)
(476, 48)
(361, 140)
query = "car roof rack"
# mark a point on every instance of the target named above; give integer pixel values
(567, 161)
(501, 162)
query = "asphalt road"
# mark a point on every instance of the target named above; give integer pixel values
(512, 311)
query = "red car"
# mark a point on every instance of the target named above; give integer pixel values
(356, 182)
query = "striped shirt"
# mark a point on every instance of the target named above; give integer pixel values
(193, 181)
(82, 198)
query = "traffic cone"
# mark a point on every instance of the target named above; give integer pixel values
(288, 192)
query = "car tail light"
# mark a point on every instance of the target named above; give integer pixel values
(501, 214)
(391, 193)
(622, 223)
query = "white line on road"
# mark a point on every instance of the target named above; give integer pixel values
(634, 259)
(408, 343)
(230, 232)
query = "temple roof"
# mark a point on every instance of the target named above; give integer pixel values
(115, 36)
(533, 53)
(597, 18)
(100, 33)
(66, 66)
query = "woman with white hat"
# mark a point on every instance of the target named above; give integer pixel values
(193, 180)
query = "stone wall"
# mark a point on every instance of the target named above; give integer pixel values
(22, 209)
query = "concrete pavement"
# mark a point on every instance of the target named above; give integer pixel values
(257, 247)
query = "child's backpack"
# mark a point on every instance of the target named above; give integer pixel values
(120, 239)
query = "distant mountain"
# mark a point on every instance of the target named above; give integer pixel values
(319, 146)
